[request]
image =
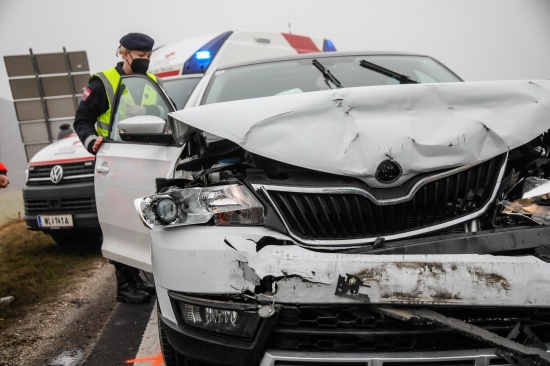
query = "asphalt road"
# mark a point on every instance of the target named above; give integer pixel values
(123, 335)
(130, 337)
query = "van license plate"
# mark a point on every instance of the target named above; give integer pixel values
(55, 221)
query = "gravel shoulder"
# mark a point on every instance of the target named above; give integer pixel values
(71, 321)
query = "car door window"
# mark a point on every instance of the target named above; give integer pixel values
(137, 96)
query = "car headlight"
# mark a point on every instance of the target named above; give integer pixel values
(166, 210)
(230, 204)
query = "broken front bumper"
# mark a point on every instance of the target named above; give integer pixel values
(208, 261)
(232, 260)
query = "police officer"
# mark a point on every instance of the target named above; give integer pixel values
(92, 126)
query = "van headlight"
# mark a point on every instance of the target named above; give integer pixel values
(232, 204)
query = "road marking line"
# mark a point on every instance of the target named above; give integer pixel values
(149, 349)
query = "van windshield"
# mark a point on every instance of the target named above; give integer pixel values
(301, 76)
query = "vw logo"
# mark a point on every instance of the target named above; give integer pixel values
(388, 171)
(56, 174)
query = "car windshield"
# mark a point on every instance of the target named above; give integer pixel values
(179, 90)
(301, 76)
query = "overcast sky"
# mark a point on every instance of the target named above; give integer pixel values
(479, 39)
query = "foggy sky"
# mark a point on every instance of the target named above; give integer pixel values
(478, 39)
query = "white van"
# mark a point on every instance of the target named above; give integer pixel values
(59, 193)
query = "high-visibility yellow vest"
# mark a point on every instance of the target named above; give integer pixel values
(111, 81)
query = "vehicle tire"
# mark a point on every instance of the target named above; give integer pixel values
(169, 354)
(78, 237)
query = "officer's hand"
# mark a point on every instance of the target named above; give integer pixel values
(135, 110)
(97, 142)
(4, 181)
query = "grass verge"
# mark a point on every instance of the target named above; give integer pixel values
(11, 202)
(33, 268)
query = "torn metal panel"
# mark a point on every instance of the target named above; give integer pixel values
(479, 242)
(513, 351)
(530, 208)
(300, 275)
(414, 279)
(249, 274)
(423, 127)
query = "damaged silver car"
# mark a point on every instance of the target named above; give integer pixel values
(354, 209)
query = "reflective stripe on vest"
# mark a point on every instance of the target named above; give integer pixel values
(111, 81)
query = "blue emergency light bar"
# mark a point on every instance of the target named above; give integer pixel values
(328, 46)
(203, 55)
(202, 58)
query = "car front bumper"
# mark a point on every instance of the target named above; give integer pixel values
(76, 199)
(211, 261)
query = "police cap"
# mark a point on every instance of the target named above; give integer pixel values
(137, 42)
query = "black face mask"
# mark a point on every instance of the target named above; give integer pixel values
(139, 65)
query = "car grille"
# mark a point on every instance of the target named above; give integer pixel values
(62, 205)
(353, 329)
(336, 216)
(72, 173)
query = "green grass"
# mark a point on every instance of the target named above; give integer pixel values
(11, 204)
(33, 268)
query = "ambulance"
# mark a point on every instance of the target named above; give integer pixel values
(59, 193)
(181, 65)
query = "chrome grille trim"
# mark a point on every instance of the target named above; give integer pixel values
(353, 190)
(476, 357)
(64, 178)
(342, 243)
(81, 171)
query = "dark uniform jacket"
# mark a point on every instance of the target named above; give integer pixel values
(93, 104)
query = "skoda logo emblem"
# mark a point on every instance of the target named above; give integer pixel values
(388, 171)
(56, 174)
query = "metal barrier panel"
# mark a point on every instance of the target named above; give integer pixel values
(46, 89)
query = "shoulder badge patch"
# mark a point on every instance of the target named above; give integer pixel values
(86, 94)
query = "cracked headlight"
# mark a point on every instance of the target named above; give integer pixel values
(166, 210)
(230, 204)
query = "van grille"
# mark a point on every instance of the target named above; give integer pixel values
(72, 173)
(62, 205)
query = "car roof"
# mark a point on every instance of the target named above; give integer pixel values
(319, 55)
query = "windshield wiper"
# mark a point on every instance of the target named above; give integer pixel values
(403, 79)
(326, 73)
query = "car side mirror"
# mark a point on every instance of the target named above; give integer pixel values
(145, 129)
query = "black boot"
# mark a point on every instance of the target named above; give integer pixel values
(126, 290)
(144, 286)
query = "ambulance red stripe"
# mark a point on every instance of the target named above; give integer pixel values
(62, 161)
(164, 74)
(300, 43)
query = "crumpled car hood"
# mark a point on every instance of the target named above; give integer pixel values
(350, 131)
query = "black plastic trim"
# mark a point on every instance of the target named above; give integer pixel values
(218, 350)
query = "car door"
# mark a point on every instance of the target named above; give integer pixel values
(127, 170)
